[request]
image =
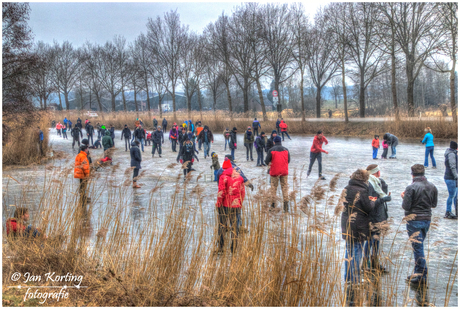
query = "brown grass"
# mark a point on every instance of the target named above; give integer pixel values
(220, 120)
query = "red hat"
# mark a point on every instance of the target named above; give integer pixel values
(174, 124)
(227, 164)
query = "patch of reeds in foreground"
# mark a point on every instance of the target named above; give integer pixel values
(163, 253)
(220, 120)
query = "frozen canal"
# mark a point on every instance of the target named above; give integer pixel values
(346, 154)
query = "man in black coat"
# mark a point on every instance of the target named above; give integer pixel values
(78, 124)
(76, 134)
(418, 200)
(278, 121)
(165, 124)
(355, 222)
(90, 132)
(157, 139)
(233, 141)
(112, 134)
(155, 123)
(260, 146)
(270, 142)
(126, 133)
(206, 138)
(187, 155)
(136, 159)
(139, 134)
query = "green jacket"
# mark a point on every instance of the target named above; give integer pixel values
(215, 163)
(107, 141)
(248, 140)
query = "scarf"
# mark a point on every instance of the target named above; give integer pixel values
(248, 133)
(376, 184)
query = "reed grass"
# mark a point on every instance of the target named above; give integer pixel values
(165, 255)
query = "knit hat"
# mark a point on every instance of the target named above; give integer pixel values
(227, 164)
(453, 145)
(187, 138)
(102, 127)
(274, 131)
(277, 139)
(417, 170)
(229, 156)
(212, 154)
(249, 128)
(262, 133)
(85, 141)
(235, 129)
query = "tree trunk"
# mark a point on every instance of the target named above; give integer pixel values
(261, 98)
(214, 100)
(393, 80)
(113, 102)
(66, 97)
(362, 106)
(199, 103)
(41, 101)
(147, 91)
(90, 108)
(60, 100)
(453, 89)
(160, 109)
(410, 86)
(189, 106)
(229, 98)
(245, 95)
(135, 99)
(302, 101)
(174, 102)
(98, 99)
(318, 102)
(44, 102)
(124, 99)
(344, 87)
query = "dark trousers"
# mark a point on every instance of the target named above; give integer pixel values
(173, 144)
(233, 153)
(127, 143)
(135, 174)
(188, 169)
(90, 137)
(260, 156)
(315, 156)
(82, 191)
(147, 142)
(113, 141)
(385, 153)
(76, 140)
(256, 131)
(164, 128)
(156, 146)
(40, 145)
(278, 129)
(248, 150)
(98, 134)
(199, 144)
(233, 215)
(419, 256)
(285, 132)
(64, 134)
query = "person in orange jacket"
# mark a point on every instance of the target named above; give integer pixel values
(375, 147)
(82, 172)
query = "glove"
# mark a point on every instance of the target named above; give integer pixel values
(234, 145)
(181, 161)
(251, 186)
(210, 167)
(386, 198)
(421, 141)
(193, 160)
(212, 142)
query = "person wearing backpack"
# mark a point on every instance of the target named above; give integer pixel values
(256, 126)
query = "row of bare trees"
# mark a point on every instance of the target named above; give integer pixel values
(256, 43)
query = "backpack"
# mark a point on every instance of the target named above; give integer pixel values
(255, 143)
(255, 124)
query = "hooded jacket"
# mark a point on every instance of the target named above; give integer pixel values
(107, 141)
(165, 122)
(173, 135)
(260, 143)
(355, 216)
(236, 168)
(270, 142)
(280, 158)
(419, 198)
(391, 139)
(89, 129)
(139, 133)
(14, 228)
(248, 137)
(112, 132)
(233, 140)
(203, 132)
(451, 163)
(380, 211)
(81, 170)
(136, 157)
(317, 145)
(278, 124)
(283, 126)
(428, 140)
(231, 189)
(126, 133)
(157, 137)
(155, 123)
(188, 152)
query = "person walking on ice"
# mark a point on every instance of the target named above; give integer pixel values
(136, 159)
(451, 179)
(255, 126)
(429, 147)
(279, 158)
(157, 140)
(315, 153)
(187, 156)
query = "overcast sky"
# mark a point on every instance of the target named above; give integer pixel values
(99, 22)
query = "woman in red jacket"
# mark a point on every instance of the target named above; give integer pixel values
(229, 201)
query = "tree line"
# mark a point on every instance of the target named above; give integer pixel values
(372, 44)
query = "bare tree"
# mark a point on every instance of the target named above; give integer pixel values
(336, 89)
(186, 68)
(91, 55)
(418, 32)
(110, 71)
(144, 58)
(41, 77)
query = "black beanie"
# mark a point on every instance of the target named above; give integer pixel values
(229, 156)
(274, 131)
(235, 129)
(453, 145)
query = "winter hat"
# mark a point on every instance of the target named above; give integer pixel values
(277, 139)
(212, 154)
(206, 128)
(235, 129)
(229, 156)
(227, 164)
(249, 128)
(187, 138)
(262, 133)
(417, 170)
(126, 125)
(453, 145)
(274, 131)
(85, 141)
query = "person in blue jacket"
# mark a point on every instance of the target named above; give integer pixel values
(429, 147)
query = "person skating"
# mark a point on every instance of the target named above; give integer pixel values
(103, 130)
(78, 124)
(279, 158)
(248, 143)
(136, 159)
(69, 125)
(392, 142)
(226, 138)
(315, 153)
(429, 147)
(157, 140)
(58, 128)
(375, 147)
(165, 124)
(378, 190)
(139, 134)
(229, 201)
(173, 137)
(418, 200)
(76, 134)
(206, 138)
(90, 132)
(148, 139)
(187, 156)
(198, 129)
(260, 146)
(215, 164)
(182, 137)
(278, 126)
(112, 134)
(65, 121)
(82, 172)
(64, 132)
(284, 127)
(40, 140)
(385, 149)
(451, 179)
(355, 223)
(191, 126)
(155, 123)
(329, 112)
(107, 141)
(255, 126)
(126, 133)
(233, 142)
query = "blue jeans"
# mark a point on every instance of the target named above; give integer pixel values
(215, 175)
(285, 132)
(393, 152)
(260, 156)
(142, 141)
(374, 152)
(233, 153)
(199, 144)
(206, 147)
(419, 256)
(429, 151)
(227, 142)
(371, 247)
(453, 194)
(354, 250)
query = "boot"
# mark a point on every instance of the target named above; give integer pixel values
(365, 265)
(286, 206)
(376, 265)
(135, 185)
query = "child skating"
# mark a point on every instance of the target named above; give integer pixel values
(375, 147)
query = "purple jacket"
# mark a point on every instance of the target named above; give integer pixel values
(173, 134)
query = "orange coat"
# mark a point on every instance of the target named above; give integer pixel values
(198, 130)
(81, 170)
(375, 143)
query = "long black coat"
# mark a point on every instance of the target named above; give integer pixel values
(89, 129)
(356, 229)
(232, 140)
(136, 157)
